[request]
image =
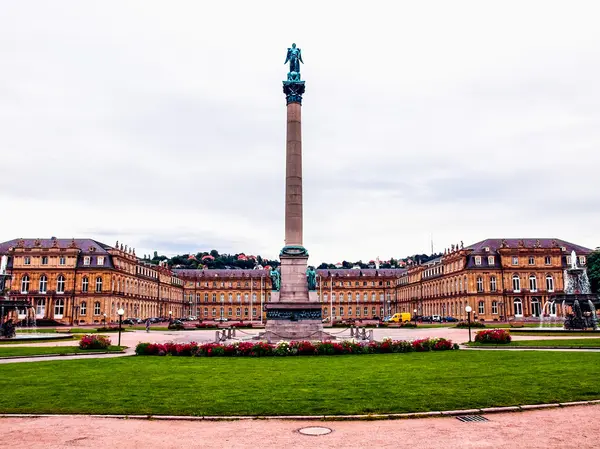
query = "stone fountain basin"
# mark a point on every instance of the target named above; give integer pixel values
(32, 336)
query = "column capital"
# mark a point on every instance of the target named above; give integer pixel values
(293, 91)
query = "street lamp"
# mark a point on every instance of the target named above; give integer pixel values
(415, 316)
(170, 316)
(468, 309)
(120, 312)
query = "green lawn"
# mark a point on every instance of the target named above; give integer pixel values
(563, 342)
(38, 350)
(554, 333)
(382, 383)
(28, 342)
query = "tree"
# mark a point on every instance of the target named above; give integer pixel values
(593, 270)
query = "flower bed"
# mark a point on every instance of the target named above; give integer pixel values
(93, 341)
(262, 349)
(494, 336)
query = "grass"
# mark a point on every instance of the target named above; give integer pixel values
(39, 350)
(553, 333)
(379, 383)
(39, 329)
(28, 342)
(564, 342)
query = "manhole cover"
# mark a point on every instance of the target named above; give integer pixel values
(315, 431)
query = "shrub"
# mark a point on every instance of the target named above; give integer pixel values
(465, 325)
(107, 329)
(176, 327)
(93, 341)
(496, 336)
(408, 324)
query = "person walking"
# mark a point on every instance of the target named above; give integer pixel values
(148, 325)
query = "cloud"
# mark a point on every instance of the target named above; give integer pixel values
(165, 127)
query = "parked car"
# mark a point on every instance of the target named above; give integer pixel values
(375, 318)
(130, 321)
(436, 318)
(386, 319)
(450, 319)
(222, 319)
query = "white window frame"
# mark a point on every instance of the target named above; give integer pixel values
(548, 260)
(98, 290)
(43, 284)
(59, 308)
(26, 260)
(549, 285)
(44, 260)
(97, 308)
(493, 284)
(100, 260)
(581, 260)
(515, 260)
(494, 307)
(86, 260)
(533, 283)
(481, 307)
(490, 260)
(60, 284)
(480, 284)
(516, 285)
(518, 307)
(477, 260)
(62, 260)
(83, 308)
(531, 260)
(40, 307)
(25, 283)
(85, 284)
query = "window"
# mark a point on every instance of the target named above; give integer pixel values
(341, 311)
(83, 308)
(85, 284)
(206, 300)
(535, 307)
(214, 310)
(532, 283)
(515, 260)
(62, 260)
(100, 260)
(366, 311)
(365, 297)
(547, 260)
(44, 260)
(341, 297)
(238, 311)
(373, 311)
(490, 260)
(493, 284)
(86, 260)
(516, 283)
(238, 298)
(479, 284)
(494, 307)
(349, 311)
(246, 297)
(531, 260)
(40, 308)
(568, 260)
(43, 283)
(253, 297)
(477, 260)
(549, 283)
(253, 311)
(206, 311)
(481, 307)
(553, 309)
(59, 308)
(25, 284)
(98, 284)
(581, 260)
(518, 307)
(214, 299)
(26, 260)
(357, 296)
(245, 311)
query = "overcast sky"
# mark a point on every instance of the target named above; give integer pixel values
(162, 124)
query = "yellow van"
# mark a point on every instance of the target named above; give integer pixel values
(400, 318)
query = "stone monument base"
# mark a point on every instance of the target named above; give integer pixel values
(294, 321)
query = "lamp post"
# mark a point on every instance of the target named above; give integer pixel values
(468, 309)
(415, 316)
(120, 312)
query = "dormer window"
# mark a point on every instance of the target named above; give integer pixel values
(515, 260)
(26, 260)
(86, 260)
(100, 260)
(487, 249)
(531, 260)
(44, 260)
(581, 260)
(477, 260)
(62, 260)
(490, 260)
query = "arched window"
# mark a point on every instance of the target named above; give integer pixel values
(60, 284)
(43, 283)
(253, 297)
(516, 283)
(373, 297)
(238, 298)
(229, 297)
(325, 297)
(83, 308)
(245, 297)
(85, 283)
(341, 297)
(59, 308)
(25, 284)
(206, 300)
(535, 307)
(533, 283)
(357, 296)
(480, 284)
(98, 284)
(365, 297)
(238, 311)
(493, 285)
(481, 307)
(214, 299)
(518, 307)
(549, 283)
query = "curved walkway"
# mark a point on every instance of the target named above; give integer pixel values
(549, 428)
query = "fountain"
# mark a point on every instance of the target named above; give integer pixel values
(578, 296)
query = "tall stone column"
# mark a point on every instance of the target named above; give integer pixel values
(293, 176)
(294, 311)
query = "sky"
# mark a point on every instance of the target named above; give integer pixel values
(162, 124)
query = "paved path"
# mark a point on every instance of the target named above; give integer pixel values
(551, 428)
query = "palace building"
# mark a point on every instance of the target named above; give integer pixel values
(83, 281)
(498, 278)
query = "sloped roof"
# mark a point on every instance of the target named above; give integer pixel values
(495, 244)
(83, 244)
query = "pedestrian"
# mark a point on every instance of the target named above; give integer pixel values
(148, 325)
